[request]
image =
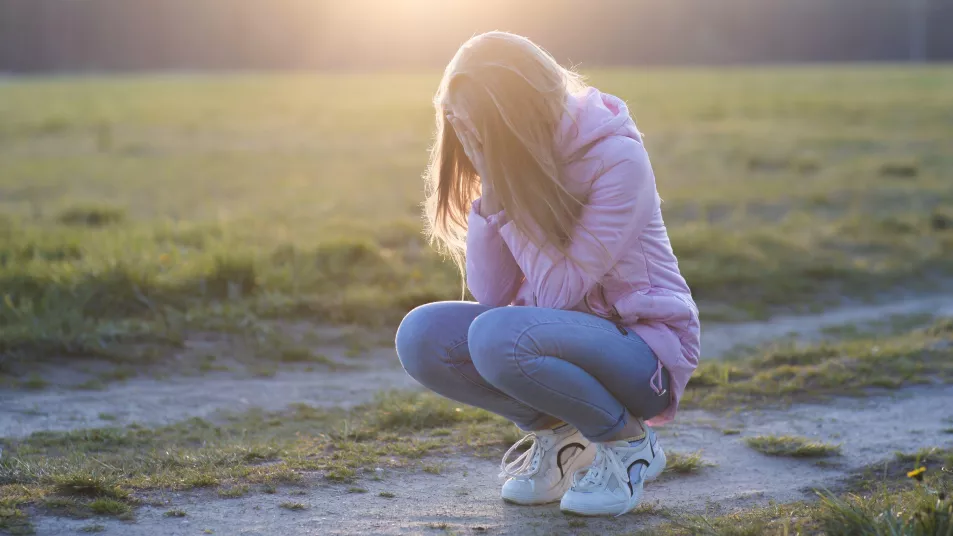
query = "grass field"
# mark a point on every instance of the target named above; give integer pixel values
(132, 209)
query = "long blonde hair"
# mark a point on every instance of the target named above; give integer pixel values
(514, 94)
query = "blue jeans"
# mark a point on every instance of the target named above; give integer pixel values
(533, 366)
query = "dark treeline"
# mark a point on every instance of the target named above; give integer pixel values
(109, 35)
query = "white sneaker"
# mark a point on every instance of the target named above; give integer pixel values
(613, 484)
(544, 472)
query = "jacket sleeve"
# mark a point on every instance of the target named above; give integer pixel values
(621, 204)
(493, 276)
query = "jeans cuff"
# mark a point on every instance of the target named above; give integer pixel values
(537, 424)
(611, 431)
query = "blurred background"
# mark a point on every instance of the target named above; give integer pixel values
(97, 35)
(159, 159)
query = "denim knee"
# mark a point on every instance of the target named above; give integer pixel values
(419, 348)
(493, 346)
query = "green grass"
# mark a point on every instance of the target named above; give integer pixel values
(105, 506)
(105, 470)
(433, 468)
(879, 501)
(294, 506)
(685, 463)
(792, 446)
(853, 367)
(34, 382)
(134, 210)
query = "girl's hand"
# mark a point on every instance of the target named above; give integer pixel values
(473, 147)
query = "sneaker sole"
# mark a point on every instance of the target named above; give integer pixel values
(655, 469)
(532, 501)
(554, 496)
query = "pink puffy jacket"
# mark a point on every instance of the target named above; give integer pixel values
(641, 287)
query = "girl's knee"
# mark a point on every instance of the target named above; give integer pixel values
(417, 343)
(492, 345)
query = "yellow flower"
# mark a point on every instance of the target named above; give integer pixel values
(917, 473)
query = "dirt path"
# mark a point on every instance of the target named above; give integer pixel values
(152, 401)
(720, 339)
(464, 498)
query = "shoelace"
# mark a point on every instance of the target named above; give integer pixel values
(605, 465)
(527, 464)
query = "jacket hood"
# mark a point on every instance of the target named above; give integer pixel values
(592, 116)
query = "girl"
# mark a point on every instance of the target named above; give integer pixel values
(603, 332)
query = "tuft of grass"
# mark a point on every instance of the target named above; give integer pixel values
(295, 506)
(86, 484)
(91, 384)
(34, 382)
(792, 446)
(91, 215)
(685, 463)
(434, 468)
(853, 367)
(107, 506)
(233, 492)
(199, 479)
(66, 506)
(386, 495)
(900, 169)
(356, 489)
(730, 431)
(175, 513)
(881, 501)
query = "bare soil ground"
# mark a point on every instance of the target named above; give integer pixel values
(464, 497)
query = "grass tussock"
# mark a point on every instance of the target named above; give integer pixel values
(882, 500)
(855, 366)
(106, 506)
(92, 215)
(791, 446)
(683, 463)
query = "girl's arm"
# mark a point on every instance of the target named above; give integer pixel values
(621, 203)
(493, 276)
